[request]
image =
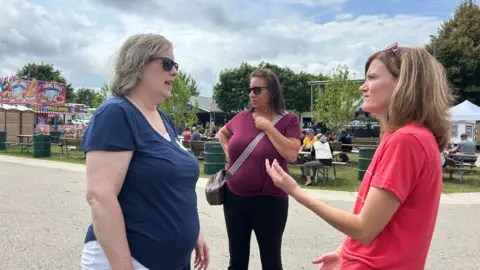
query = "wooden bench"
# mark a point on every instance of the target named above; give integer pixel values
(70, 144)
(24, 146)
(324, 170)
(451, 170)
(365, 141)
(198, 147)
(186, 144)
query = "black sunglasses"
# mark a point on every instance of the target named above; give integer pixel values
(168, 63)
(256, 90)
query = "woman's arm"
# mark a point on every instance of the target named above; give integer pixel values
(287, 147)
(377, 211)
(105, 176)
(379, 208)
(224, 136)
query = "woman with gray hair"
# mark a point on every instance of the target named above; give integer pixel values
(140, 180)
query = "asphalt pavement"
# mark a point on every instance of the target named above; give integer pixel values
(44, 216)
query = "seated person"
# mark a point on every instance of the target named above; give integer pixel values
(195, 135)
(443, 159)
(187, 135)
(309, 139)
(345, 139)
(465, 147)
(304, 135)
(322, 156)
(332, 136)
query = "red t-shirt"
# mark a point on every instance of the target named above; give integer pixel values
(251, 178)
(406, 163)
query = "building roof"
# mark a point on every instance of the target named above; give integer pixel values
(204, 104)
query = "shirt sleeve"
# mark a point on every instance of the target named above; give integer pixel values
(292, 129)
(400, 165)
(109, 130)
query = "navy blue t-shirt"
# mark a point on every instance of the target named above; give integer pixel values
(158, 198)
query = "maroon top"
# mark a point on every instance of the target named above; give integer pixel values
(251, 178)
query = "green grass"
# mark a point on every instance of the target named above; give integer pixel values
(346, 175)
(76, 157)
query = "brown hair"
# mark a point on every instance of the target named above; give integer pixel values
(422, 93)
(274, 88)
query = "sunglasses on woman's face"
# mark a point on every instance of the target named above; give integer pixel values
(168, 63)
(256, 90)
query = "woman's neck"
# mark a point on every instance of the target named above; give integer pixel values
(141, 100)
(265, 112)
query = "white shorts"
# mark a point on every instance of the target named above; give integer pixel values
(93, 258)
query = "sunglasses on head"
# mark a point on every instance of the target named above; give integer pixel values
(168, 63)
(256, 90)
(394, 49)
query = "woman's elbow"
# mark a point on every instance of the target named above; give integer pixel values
(292, 156)
(364, 240)
(92, 197)
(96, 196)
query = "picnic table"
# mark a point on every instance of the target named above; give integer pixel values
(354, 145)
(323, 170)
(24, 141)
(460, 165)
(71, 144)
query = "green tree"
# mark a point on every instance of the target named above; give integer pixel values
(191, 118)
(85, 96)
(100, 96)
(336, 104)
(457, 47)
(190, 83)
(177, 105)
(46, 72)
(229, 93)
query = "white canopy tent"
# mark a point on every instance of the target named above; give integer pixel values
(464, 117)
(465, 111)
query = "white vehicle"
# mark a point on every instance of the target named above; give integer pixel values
(80, 119)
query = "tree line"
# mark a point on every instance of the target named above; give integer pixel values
(456, 45)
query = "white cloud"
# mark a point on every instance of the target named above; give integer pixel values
(344, 16)
(207, 37)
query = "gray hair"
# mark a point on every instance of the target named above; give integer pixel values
(134, 54)
(321, 138)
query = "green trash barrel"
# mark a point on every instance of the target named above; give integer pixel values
(365, 156)
(3, 140)
(214, 158)
(41, 146)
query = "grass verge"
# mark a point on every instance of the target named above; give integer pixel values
(346, 175)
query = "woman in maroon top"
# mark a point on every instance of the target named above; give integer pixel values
(252, 201)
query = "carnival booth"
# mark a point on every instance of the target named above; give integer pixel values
(464, 117)
(45, 99)
(16, 121)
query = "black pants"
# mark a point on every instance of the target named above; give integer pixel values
(267, 217)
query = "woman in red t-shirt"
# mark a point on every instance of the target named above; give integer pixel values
(393, 220)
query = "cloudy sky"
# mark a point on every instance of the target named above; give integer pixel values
(81, 37)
